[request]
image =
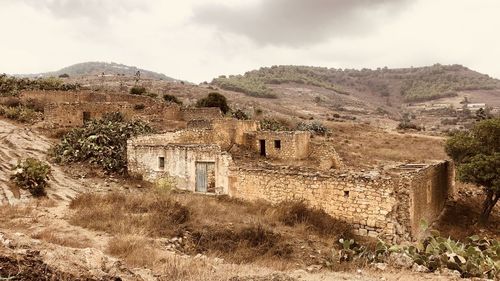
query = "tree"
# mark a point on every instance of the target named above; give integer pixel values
(214, 100)
(477, 157)
(172, 98)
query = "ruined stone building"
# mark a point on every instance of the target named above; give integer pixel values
(235, 158)
(73, 109)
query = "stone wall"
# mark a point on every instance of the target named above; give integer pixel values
(280, 145)
(325, 155)
(72, 114)
(387, 206)
(179, 163)
(430, 188)
(207, 113)
(364, 202)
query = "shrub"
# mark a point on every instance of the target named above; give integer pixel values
(274, 124)
(172, 98)
(240, 114)
(139, 106)
(136, 90)
(409, 126)
(214, 100)
(315, 127)
(19, 113)
(32, 175)
(64, 75)
(100, 142)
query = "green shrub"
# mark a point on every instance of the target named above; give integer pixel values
(20, 113)
(100, 142)
(274, 124)
(136, 90)
(214, 100)
(474, 257)
(32, 175)
(240, 114)
(172, 98)
(315, 127)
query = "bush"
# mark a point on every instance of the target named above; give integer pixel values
(100, 142)
(20, 113)
(139, 106)
(274, 125)
(32, 175)
(214, 100)
(136, 90)
(64, 75)
(172, 98)
(315, 127)
(240, 114)
(409, 126)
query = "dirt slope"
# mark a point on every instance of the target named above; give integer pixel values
(17, 143)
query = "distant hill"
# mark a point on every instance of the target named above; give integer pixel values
(98, 68)
(401, 85)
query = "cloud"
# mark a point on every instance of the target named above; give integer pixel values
(298, 22)
(100, 11)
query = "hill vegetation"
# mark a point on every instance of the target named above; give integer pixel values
(11, 86)
(98, 68)
(411, 84)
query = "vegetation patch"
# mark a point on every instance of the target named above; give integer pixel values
(100, 142)
(214, 100)
(11, 86)
(32, 175)
(474, 257)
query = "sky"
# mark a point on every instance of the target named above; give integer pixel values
(197, 40)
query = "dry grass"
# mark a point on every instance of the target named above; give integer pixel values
(71, 241)
(364, 146)
(241, 232)
(11, 216)
(138, 251)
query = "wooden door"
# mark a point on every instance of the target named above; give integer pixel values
(205, 177)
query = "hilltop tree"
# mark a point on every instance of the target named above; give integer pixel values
(214, 100)
(477, 157)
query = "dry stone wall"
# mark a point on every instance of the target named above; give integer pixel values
(389, 207)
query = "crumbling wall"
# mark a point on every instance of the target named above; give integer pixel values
(292, 145)
(364, 202)
(389, 206)
(179, 163)
(430, 189)
(325, 155)
(207, 113)
(73, 114)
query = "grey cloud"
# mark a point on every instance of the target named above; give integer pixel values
(97, 10)
(298, 22)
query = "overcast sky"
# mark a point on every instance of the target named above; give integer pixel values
(197, 40)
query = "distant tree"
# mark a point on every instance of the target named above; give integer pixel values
(172, 98)
(64, 75)
(477, 157)
(214, 100)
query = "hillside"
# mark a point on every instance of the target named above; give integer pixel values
(98, 68)
(391, 86)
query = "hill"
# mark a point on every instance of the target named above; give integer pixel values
(394, 85)
(98, 68)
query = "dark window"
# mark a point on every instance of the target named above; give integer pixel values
(346, 193)
(161, 162)
(277, 144)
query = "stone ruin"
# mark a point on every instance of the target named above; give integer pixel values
(235, 158)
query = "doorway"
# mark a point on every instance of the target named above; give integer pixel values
(262, 147)
(205, 177)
